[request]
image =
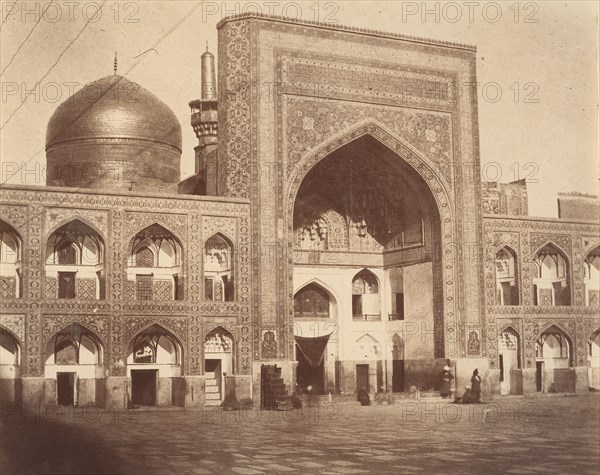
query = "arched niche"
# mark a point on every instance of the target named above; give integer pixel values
(551, 277)
(507, 279)
(366, 300)
(75, 256)
(154, 265)
(10, 262)
(219, 283)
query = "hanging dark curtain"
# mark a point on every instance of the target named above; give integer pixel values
(313, 349)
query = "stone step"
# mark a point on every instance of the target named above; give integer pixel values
(212, 402)
(210, 382)
(212, 396)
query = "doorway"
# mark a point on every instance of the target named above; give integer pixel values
(66, 285)
(362, 377)
(65, 388)
(143, 386)
(398, 376)
(311, 380)
(539, 380)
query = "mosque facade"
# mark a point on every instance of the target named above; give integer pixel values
(335, 236)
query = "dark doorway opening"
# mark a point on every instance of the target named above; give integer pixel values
(539, 370)
(212, 366)
(362, 377)
(66, 285)
(397, 376)
(65, 388)
(310, 380)
(143, 386)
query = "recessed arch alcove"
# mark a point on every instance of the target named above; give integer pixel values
(367, 202)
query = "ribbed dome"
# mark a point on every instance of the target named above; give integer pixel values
(114, 123)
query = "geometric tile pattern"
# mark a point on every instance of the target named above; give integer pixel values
(163, 290)
(51, 288)
(7, 288)
(86, 289)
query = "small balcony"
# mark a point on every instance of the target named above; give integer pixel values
(395, 317)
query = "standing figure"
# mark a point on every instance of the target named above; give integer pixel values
(363, 397)
(476, 386)
(446, 380)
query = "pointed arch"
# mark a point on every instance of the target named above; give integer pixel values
(397, 347)
(154, 344)
(313, 301)
(75, 222)
(366, 300)
(220, 353)
(155, 265)
(368, 347)
(507, 276)
(75, 259)
(371, 128)
(153, 237)
(434, 181)
(366, 282)
(11, 251)
(555, 343)
(509, 343)
(591, 276)
(552, 276)
(219, 268)
(75, 344)
(219, 339)
(10, 348)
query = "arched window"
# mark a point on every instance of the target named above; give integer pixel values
(218, 269)
(75, 263)
(147, 348)
(311, 302)
(10, 260)
(75, 344)
(551, 282)
(365, 297)
(507, 288)
(555, 348)
(591, 273)
(155, 345)
(154, 266)
(9, 351)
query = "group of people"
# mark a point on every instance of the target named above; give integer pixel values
(472, 394)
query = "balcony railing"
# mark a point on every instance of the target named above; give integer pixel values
(367, 318)
(395, 316)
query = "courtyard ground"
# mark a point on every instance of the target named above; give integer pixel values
(517, 435)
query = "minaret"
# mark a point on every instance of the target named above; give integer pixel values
(204, 123)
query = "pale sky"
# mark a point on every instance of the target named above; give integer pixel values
(541, 56)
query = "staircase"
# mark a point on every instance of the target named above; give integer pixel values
(212, 390)
(274, 395)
